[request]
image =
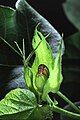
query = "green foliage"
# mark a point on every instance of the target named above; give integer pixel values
(72, 44)
(22, 104)
(72, 10)
(55, 78)
(8, 31)
(7, 26)
(71, 69)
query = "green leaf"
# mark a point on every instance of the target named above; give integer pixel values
(72, 45)
(8, 31)
(71, 67)
(28, 76)
(27, 19)
(55, 79)
(19, 103)
(72, 11)
(6, 22)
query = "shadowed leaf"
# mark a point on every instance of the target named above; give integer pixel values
(72, 11)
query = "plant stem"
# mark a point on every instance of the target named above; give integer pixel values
(66, 113)
(68, 101)
(10, 46)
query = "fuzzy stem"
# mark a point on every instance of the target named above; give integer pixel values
(68, 101)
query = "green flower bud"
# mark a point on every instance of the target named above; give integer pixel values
(41, 77)
(45, 74)
(48, 79)
(40, 82)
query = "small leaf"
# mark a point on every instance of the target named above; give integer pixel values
(28, 76)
